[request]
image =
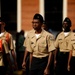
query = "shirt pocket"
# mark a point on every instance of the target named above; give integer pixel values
(60, 41)
(43, 47)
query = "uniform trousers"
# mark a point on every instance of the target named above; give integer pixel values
(72, 66)
(20, 55)
(38, 66)
(61, 66)
(2, 70)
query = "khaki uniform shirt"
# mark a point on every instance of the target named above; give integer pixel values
(41, 46)
(7, 44)
(62, 42)
(72, 46)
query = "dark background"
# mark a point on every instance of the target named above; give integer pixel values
(9, 13)
(53, 14)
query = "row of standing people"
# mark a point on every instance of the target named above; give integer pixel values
(41, 50)
(49, 56)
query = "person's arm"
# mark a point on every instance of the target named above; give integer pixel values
(28, 50)
(56, 44)
(31, 55)
(12, 50)
(51, 49)
(13, 55)
(47, 69)
(55, 56)
(9, 61)
(70, 47)
(14, 58)
(24, 59)
(69, 59)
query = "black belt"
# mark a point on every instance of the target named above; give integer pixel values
(40, 57)
(64, 52)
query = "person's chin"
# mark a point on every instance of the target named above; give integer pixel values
(35, 28)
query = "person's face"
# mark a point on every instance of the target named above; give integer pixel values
(65, 26)
(36, 24)
(2, 25)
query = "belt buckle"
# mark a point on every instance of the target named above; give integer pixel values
(40, 57)
(64, 52)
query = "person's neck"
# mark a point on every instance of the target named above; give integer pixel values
(2, 31)
(38, 31)
(67, 30)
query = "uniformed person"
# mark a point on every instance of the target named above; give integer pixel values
(7, 42)
(71, 61)
(62, 43)
(4, 51)
(40, 45)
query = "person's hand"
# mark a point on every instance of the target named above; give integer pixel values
(15, 66)
(46, 71)
(68, 67)
(24, 65)
(55, 64)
